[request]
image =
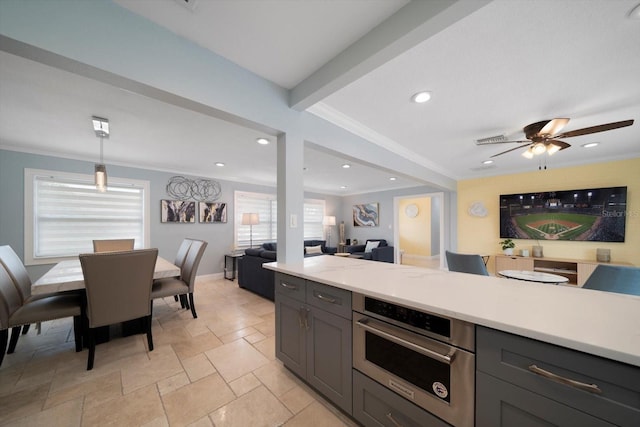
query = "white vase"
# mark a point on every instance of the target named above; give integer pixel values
(508, 251)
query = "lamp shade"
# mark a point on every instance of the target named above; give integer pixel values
(329, 220)
(101, 177)
(250, 219)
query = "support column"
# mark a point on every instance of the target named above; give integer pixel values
(290, 198)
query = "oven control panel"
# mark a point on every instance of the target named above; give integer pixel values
(418, 319)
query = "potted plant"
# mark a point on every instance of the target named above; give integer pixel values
(507, 246)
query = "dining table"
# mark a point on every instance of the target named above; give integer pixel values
(67, 276)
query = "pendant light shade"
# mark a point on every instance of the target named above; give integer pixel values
(101, 177)
(101, 128)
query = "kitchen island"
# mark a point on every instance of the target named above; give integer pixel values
(516, 318)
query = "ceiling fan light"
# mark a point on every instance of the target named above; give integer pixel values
(539, 148)
(528, 153)
(552, 149)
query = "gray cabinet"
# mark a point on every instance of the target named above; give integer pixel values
(377, 406)
(524, 382)
(313, 335)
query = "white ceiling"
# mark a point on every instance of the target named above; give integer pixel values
(504, 66)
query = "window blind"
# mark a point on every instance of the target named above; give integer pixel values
(69, 213)
(266, 206)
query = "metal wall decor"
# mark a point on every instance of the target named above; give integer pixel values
(202, 190)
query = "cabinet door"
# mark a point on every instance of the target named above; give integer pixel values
(290, 333)
(329, 356)
(513, 263)
(502, 404)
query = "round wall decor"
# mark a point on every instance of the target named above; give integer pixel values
(411, 210)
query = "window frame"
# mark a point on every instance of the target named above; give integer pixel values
(274, 220)
(30, 176)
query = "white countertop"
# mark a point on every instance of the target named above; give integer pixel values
(601, 323)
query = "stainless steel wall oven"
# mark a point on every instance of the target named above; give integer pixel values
(426, 358)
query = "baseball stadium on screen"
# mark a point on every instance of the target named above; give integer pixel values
(595, 214)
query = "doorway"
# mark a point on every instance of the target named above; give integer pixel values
(419, 230)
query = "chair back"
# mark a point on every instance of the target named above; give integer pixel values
(16, 270)
(191, 262)
(113, 245)
(182, 252)
(10, 299)
(118, 285)
(615, 278)
(466, 263)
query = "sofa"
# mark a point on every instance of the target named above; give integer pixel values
(253, 277)
(383, 252)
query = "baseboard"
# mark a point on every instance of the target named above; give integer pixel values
(212, 276)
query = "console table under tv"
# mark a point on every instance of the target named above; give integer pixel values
(576, 270)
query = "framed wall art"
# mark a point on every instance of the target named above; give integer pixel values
(365, 215)
(177, 211)
(212, 212)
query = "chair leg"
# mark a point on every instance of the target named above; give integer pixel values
(25, 328)
(149, 336)
(175, 297)
(193, 306)
(77, 332)
(4, 337)
(15, 334)
(92, 349)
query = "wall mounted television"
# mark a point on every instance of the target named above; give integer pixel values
(593, 214)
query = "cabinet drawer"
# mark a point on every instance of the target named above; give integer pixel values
(330, 299)
(291, 286)
(375, 405)
(511, 358)
(501, 404)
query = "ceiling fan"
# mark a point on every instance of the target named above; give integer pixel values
(542, 137)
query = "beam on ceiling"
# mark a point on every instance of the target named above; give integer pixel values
(409, 26)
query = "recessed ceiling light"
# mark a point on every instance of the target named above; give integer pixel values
(590, 144)
(262, 141)
(635, 12)
(343, 187)
(487, 162)
(421, 97)
(346, 166)
(393, 178)
(219, 164)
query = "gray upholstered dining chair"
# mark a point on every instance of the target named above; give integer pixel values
(614, 278)
(112, 245)
(180, 257)
(118, 286)
(15, 311)
(184, 284)
(466, 263)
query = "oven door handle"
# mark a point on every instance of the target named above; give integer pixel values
(445, 358)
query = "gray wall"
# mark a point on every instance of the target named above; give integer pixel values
(166, 237)
(386, 215)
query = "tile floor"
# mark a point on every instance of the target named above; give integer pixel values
(217, 370)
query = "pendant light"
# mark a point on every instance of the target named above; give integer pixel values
(101, 128)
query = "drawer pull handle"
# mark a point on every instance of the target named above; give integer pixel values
(327, 299)
(591, 388)
(393, 420)
(288, 286)
(444, 358)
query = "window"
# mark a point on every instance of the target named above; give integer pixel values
(267, 231)
(65, 213)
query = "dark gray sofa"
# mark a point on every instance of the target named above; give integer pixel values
(383, 252)
(253, 277)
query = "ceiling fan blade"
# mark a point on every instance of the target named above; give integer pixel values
(560, 144)
(506, 142)
(596, 129)
(505, 152)
(553, 126)
(534, 128)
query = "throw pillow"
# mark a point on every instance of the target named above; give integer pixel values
(314, 249)
(370, 246)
